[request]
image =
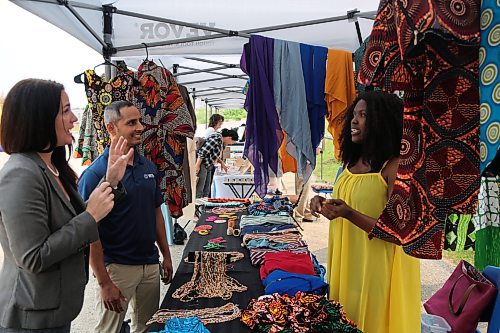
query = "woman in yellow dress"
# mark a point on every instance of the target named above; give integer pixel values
(376, 282)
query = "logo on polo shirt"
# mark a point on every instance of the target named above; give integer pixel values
(149, 176)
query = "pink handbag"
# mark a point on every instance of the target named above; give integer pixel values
(462, 299)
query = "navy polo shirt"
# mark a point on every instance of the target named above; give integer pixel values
(128, 233)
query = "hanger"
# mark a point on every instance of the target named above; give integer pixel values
(78, 77)
(147, 52)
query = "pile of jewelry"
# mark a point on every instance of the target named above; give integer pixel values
(209, 279)
(215, 244)
(203, 229)
(216, 315)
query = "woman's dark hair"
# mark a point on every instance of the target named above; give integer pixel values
(384, 130)
(214, 119)
(229, 133)
(28, 123)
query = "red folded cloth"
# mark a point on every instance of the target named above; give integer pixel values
(300, 263)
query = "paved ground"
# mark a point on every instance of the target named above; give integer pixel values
(433, 273)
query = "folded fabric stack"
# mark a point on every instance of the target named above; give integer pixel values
(184, 325)
(275, 205)
(299, 313)
(275, 244)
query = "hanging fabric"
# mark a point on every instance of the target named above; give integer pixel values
(263, 131)
(166, 123)
(101, 93)
(357, 57)
(429, 51)
(86, 144)
(487, 222)
(186, 170)
(489, 53)
(314, 69)
(288, 163)
(291, 105)
(460, 232)
(340, 92)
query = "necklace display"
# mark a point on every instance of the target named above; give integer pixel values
(233, 256)
(216, 315)
(55, 173)
(209, 279)
(226, 210)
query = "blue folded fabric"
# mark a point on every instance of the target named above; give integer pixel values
(254, 229)
(184, 325)
(282, 282)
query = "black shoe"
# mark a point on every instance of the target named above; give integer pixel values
(307, 220)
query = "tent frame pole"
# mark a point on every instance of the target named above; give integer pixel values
(209, 72)
(196, 71)
(213, 62)
(218, 93)
(80, 19)
(216, 79)
(217, 88)
(223, 99)
(232, 33)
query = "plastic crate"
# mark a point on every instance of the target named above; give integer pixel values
(434, 324)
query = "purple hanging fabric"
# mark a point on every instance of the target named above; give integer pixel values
(263, 131)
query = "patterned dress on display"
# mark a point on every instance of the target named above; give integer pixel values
(86, 146)
(99, 95)
(429, 50)
(166, 123)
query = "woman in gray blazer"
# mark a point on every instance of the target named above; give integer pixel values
(45, 226)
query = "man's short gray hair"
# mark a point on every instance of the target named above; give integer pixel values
(112, 112)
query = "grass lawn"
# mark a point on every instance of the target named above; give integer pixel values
(330, 164)
(456, 256)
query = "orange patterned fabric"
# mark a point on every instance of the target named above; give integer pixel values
(340, 92)
(429, 50)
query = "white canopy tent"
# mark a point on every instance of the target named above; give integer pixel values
(201, 41)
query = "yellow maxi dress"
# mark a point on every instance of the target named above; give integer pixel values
(376, 282)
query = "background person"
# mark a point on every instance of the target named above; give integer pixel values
(209, 154)
(214, 124)
(376, 282)
(126, 261)
(44, 224)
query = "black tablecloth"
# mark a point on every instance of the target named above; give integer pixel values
(243, 271)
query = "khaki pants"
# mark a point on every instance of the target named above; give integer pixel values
(302, 210)
(140, 284)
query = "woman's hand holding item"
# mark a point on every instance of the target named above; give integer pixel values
(100, 201)
(333, 208)
(316, 205)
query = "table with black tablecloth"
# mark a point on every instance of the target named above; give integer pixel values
(242, 271)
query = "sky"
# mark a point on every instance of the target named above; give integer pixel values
(33, 48)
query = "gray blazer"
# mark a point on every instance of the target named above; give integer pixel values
(43, 276)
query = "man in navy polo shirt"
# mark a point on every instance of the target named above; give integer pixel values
(126, 261)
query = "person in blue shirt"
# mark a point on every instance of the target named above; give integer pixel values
(125, 261)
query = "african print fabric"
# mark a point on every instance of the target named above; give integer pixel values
(86, 146)
(99, 95)
(487, 222)
(488, 213)
(166, 123)
(489, 55)
(429, 50)
(300, 313)
(460, 232)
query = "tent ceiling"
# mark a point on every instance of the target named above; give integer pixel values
(180, 24)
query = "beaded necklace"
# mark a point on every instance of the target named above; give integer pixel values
(233, 256)
(209, 279)
(226, 210)
(216, 315)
